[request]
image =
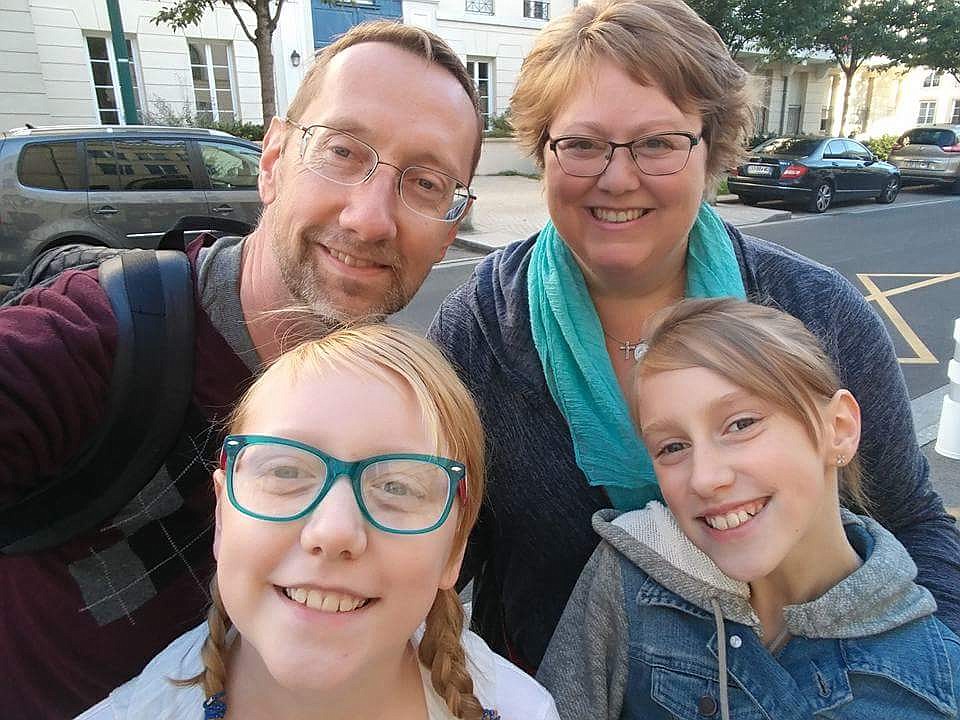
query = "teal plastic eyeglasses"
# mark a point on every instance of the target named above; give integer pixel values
(281, 480)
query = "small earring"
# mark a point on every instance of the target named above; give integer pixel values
(841, 460)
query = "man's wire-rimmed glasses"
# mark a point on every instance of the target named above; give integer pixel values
(338, 156)
(281, 480)
(657, 154)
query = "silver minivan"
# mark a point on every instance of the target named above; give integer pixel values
(929, 154)
(119, 186)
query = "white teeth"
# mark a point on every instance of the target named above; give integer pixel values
(324, 601)
(734, 519)
(350, 259)
(617, 216)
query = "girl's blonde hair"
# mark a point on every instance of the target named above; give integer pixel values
(449, 412)
(762, 350)
(660, 42)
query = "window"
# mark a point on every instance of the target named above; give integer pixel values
(834, 149)
(212, 69)
(480, 6)
(51, 166)
(538, 9)
(117, 165)
(106, 84)
(230, 167)
(932, 80)
(928, 110)
(479, 70)
(956, 112)
(856, 151)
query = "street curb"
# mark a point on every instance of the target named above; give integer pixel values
(926, 414)
(473, 245)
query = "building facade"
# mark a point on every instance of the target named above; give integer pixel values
(59, 66)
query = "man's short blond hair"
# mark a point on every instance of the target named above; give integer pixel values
(661, 42)
(420, 42)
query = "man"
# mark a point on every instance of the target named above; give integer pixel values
(363, 186)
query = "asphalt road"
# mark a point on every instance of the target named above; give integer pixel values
(904, 256)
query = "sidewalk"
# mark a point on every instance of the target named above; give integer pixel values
(510, 208)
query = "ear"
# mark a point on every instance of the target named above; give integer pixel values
(219, 478)
(842, 427)
(449, 238)
(270, 160)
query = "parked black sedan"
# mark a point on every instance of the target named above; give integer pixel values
(813, 172)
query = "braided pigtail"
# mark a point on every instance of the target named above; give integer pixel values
(213, 677)
(442, 652)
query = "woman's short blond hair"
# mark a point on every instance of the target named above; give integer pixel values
(658, 42)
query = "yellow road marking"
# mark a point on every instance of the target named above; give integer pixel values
(923, 354)
(933, 280)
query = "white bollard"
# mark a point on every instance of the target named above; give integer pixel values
(948, 438)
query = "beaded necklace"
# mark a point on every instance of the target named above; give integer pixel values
(215, 708)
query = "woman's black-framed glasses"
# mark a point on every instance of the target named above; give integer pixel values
(657, 154)
(340, 157)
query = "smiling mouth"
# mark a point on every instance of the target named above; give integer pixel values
(736, 517)
(352, 261)
(330, 602)
(617, 216)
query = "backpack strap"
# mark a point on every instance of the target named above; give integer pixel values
(151, 293)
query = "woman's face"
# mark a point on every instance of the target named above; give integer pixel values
(292, 588)
(623, 224)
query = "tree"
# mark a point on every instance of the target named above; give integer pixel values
(856, 30)
(934, 36)
(190, 12)
(777, 27)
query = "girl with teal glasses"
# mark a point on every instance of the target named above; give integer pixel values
(349, 481)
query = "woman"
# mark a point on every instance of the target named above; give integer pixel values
(633, 108)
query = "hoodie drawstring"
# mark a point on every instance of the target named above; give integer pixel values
(722, 656)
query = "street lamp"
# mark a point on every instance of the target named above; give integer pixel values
(295, 58)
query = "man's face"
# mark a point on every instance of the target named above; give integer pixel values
(357, 251)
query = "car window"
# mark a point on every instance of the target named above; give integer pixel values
(856, 150)
(51, 166)
(800, 147)
(102, 170)
(153, 164)
(835, 148)
(929, 136)
(230, 167)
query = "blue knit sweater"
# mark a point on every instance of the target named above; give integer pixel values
(534, 534)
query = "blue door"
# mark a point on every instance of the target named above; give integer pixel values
(331, 20)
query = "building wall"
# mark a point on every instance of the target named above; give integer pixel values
(897, 96)
(46, 67)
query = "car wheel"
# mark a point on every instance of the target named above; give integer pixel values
(890, 191)
(821, 198)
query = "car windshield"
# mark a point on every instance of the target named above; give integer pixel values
(930, 136)
(799, 147)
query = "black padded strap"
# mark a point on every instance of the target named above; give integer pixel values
(151, 293)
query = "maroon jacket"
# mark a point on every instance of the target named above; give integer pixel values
(85, 617)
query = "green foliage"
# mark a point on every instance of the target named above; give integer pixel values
(881, 146)
(184, 13)
(779, 27)
(499, 126)
(163, 113)
(933, 39)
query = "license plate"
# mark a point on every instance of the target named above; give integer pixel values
(763, 170)
(920, 164)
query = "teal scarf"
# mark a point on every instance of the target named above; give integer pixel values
(569, 340)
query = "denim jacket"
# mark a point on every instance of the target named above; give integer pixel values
(653, 621)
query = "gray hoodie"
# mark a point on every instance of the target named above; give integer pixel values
(645, 561)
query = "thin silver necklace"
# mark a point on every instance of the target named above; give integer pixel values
(637, 349)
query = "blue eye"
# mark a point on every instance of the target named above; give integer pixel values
(741, 423)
